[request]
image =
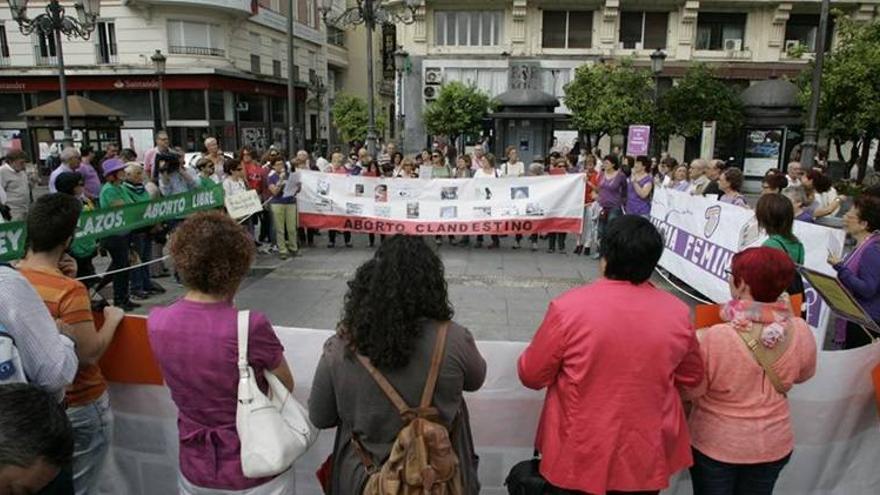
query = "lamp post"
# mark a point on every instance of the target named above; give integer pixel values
(369, 13)
(400, 59)
(292, 7)
(316, 84)
(54, 22)
(159, 62)
(811, 132)
(658, 58)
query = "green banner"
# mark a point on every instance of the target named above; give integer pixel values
(106, 222)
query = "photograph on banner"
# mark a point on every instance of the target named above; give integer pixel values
(763, 151)
(441, 206)
(243, 204)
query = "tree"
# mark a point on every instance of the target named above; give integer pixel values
(458, 110)
(699, 97)
(350, 115)
(849, 105)
(608, 98)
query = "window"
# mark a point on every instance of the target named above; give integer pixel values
(276, 68)
(195, 38)
(310, 12)
(804, 30)
(45, 50)
(567, 29)
(4, 43)
(467, 28)
(335, 36)
(256, 46)
(720, 31)
(643, 30)
(186, 104)
(277, 50)
(105, 42)
(216, 105)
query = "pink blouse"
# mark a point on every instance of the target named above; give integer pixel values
(738, 416)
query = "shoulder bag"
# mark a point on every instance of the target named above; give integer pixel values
(274, 430)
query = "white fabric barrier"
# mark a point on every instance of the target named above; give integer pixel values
(835, 422)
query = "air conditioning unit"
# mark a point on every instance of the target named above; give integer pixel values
(433, 76)
(431, 92)
(791, 45)
(733, 44)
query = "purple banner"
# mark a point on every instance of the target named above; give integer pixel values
(637, 140)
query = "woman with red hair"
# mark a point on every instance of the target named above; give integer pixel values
(741, 425)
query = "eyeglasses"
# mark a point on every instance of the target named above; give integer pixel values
(728, 272)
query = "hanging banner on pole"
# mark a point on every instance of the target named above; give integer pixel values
(442, 206)
(638, 139)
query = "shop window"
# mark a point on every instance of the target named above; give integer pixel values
(716, 31)
(216, 105)
(134, 104)
(567, 29)
(256, 108)
(643, 30)
(186, 104)
(279, 110)
(11, 105)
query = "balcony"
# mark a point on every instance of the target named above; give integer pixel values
(43, 57)
(105, 54)
(196, 50)
(241, 7)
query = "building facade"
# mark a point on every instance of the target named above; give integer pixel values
(500, 44)
(225, 76)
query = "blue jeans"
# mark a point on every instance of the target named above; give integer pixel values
(92, 432)
(711, 477)
(140, 277)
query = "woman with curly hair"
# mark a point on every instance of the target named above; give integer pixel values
(195, 341)
(395, 308)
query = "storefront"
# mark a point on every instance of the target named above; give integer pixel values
(235, 110)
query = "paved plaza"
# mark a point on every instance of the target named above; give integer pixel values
(498, 294)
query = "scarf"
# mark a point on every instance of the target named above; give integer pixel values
(852, 263)
(135, 188)
(775, 316)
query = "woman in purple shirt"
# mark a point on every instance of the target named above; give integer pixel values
(195, 342)
(612, 187)
(730, 182)
(638, 189)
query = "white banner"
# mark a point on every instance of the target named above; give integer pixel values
(442, 206)
(834, 416)
(703, 234)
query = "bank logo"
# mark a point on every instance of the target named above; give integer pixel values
(713, 218)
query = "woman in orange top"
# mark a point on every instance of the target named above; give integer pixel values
(741, 424)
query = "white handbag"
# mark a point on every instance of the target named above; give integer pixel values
(274, 431)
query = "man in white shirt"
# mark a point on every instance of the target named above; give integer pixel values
(794, 173)
(16, 185)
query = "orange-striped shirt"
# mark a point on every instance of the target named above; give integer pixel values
(68, 301)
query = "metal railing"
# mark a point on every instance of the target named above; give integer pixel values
(106, 54)
(196, 50)
(40, 59)
(336, 37)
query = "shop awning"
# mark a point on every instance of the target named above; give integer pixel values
(78, 107)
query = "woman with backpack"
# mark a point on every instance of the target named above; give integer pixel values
(395, 318)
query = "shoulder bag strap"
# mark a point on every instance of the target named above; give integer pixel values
(384, 384)
(755, 347)
(436, 362)
(244, 318)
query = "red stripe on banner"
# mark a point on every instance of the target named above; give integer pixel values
(473, 227)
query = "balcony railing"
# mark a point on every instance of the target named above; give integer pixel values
(106, 54)
(40, 59)
(4, 62)
(197, 50)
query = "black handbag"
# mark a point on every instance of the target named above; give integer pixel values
(525, 479)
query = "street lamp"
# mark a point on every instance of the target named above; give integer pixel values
(54, 22)
(811, 132)
(400, 59)
(658, 58)
(159, 62)
(317, 86)
(369, 13)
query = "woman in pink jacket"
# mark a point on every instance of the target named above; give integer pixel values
(611, 355)
(741, 425)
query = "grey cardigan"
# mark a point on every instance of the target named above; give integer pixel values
(345, 396)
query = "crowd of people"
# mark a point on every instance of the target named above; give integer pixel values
(635, 352)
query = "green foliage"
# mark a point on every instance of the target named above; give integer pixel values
(608, 98)
(849, 105)
(350, 115)
(699, 97)
(458, 110)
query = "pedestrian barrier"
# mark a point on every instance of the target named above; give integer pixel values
(834, 414)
